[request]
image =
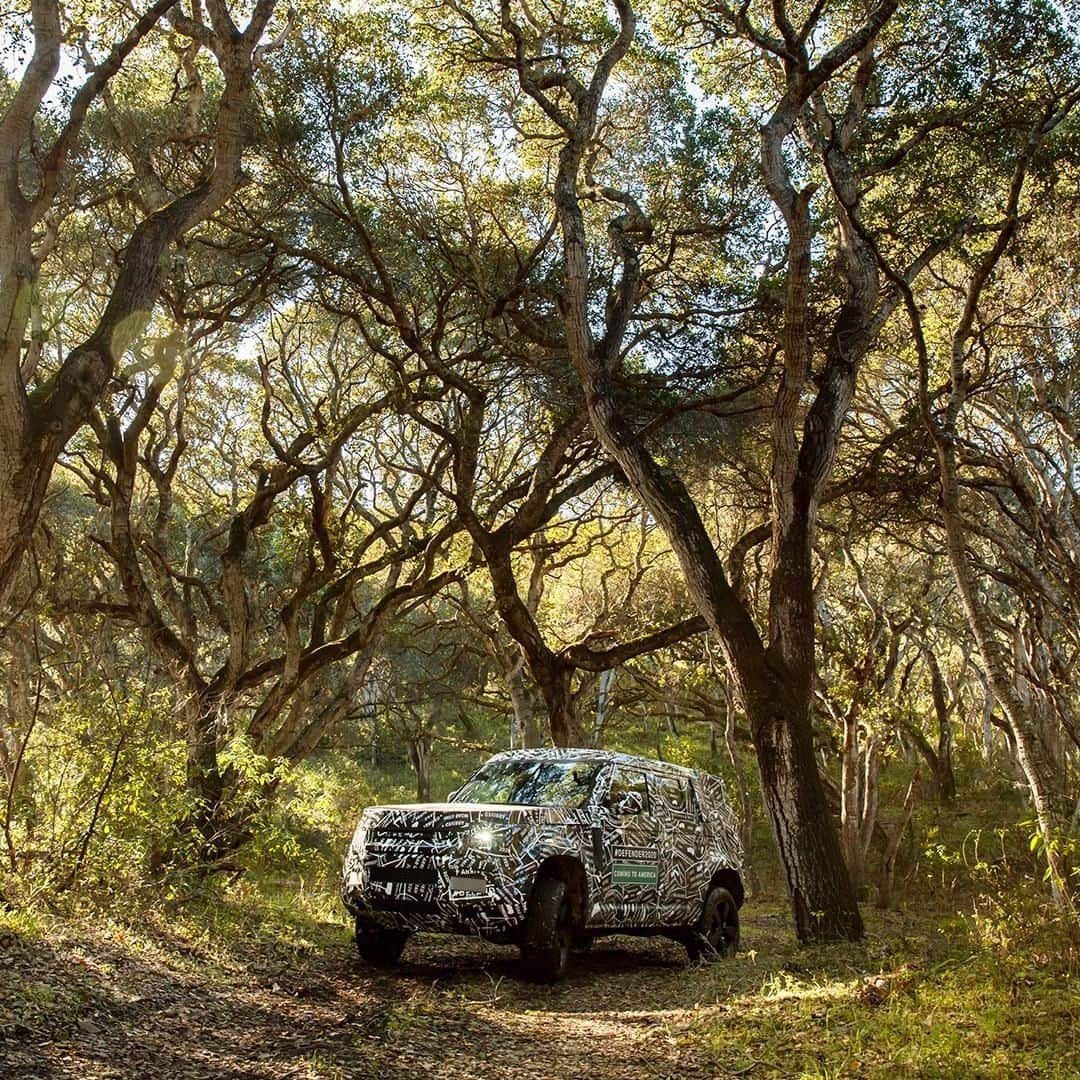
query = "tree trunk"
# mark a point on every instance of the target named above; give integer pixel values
(869, 809)
(550, 672)
(523, 701)
(554, 683)
(34, 429)
(420, 757)
(1045, 783)
(603, 703)
(775, 683)
(746, 802)
(988, 725)
(888, 862)
(821, 894)
(858, 798)
(851, 798)
(944, 776)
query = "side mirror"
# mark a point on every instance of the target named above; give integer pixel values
(629, 802)
(452, 795)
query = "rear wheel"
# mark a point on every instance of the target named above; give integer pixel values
(582, 942)
(378, 945)
(717, 932)
(549, 930)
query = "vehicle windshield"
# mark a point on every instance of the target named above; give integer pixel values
(525, 782)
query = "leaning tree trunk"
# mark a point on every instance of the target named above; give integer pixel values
(892, 848)
(774, 683)
(1045, 783)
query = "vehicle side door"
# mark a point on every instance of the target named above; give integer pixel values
(627, 854)
(680, 845)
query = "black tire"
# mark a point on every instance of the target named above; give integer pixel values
(582, 942)
(716, 935)
(548, 933)
(379, 946)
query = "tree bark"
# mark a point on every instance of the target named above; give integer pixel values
(851, 798)
(420, 757)
(523, 702)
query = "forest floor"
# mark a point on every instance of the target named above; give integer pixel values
(245, 987)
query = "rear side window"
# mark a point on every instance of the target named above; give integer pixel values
(711, 796)
(624, 780)
(672, 795)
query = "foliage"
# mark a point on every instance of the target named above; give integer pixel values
(264, 589)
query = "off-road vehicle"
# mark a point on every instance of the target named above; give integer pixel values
(547, 849)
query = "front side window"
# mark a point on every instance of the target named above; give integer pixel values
(525, 782)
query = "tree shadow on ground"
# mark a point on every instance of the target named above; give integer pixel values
(155, 1005)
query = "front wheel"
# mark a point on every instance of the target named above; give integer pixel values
(380, 946)
(549, 930)
(716, 934)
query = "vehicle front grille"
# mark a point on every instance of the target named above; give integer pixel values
(395, 834)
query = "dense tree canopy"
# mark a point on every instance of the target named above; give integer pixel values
(404, 384)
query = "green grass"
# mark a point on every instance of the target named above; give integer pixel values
(937, 994)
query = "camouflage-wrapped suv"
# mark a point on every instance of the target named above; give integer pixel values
(547, 849)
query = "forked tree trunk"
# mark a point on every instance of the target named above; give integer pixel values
(859, 799)
(775, 683)
(550, 672)
(892, 848)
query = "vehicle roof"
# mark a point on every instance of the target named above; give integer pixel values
(564, 753)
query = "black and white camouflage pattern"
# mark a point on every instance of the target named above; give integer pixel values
(420, 867)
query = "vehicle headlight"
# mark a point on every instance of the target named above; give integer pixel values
(485, 837)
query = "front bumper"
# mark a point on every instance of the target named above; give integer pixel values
(468, 893)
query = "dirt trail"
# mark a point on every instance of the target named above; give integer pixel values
(457, 1008)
